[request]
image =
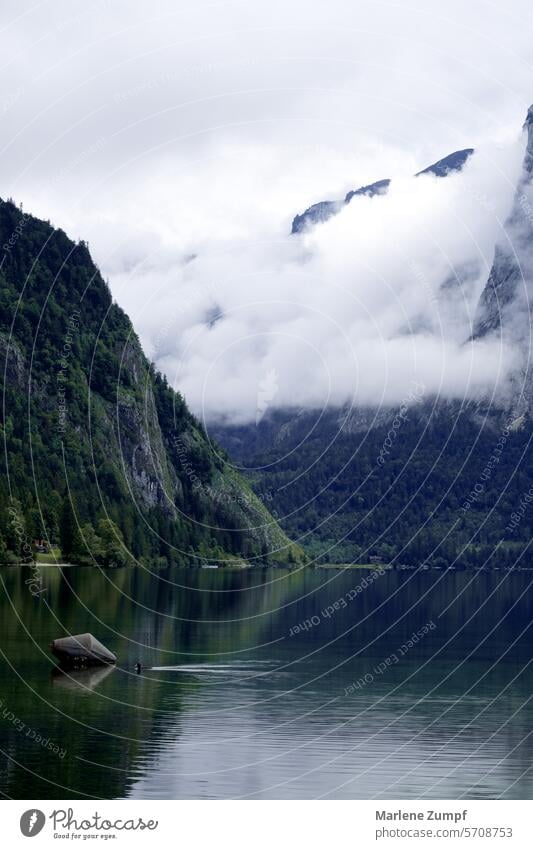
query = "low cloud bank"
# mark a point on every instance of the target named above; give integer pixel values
(356, 310)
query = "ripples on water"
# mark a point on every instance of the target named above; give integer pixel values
(229, 704)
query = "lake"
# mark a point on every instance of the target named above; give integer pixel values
(267, 683)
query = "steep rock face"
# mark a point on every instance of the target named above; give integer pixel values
(88, 421)
(504, 302)
(144, 458)
(528, 158)
(13, 359)
(324, 210)
(499, 293)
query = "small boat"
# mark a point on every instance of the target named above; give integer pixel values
(81, 650)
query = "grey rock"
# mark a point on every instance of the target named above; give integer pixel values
(12, 360)
(504, 303)
(315, 215)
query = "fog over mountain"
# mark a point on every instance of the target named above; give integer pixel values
(359, 308)
(184, 161)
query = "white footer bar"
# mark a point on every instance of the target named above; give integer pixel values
(268, 824)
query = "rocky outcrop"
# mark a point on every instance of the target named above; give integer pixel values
(322, 211)
(504, 303)
(12, 359)
(499, 293)
(378, 188)
(453, 162)
(315, 214)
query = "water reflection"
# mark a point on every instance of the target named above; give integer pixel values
(80, 679)
(265, 683)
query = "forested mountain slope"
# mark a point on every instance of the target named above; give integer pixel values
(99, 454)
(438, 481)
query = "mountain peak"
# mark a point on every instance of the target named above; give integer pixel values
(323, 210)
(453, 162)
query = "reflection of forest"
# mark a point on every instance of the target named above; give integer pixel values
(111, 718)
(117, 727)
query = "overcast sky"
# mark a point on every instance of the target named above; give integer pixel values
(165, 131)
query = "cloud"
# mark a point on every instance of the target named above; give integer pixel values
(181, 144)
(380, 296)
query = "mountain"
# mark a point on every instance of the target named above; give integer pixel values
(504, 300)
(452, 162)
(100, 455)
(445, 483)
(323, 210)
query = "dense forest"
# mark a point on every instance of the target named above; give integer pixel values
(102, 462)
(450, 486)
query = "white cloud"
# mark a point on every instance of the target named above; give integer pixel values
(181, 140)
(381, 295)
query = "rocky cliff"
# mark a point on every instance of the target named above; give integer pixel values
(504, 301)
(92, 433)
(504, 308)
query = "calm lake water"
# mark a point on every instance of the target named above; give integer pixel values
(270, 684)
